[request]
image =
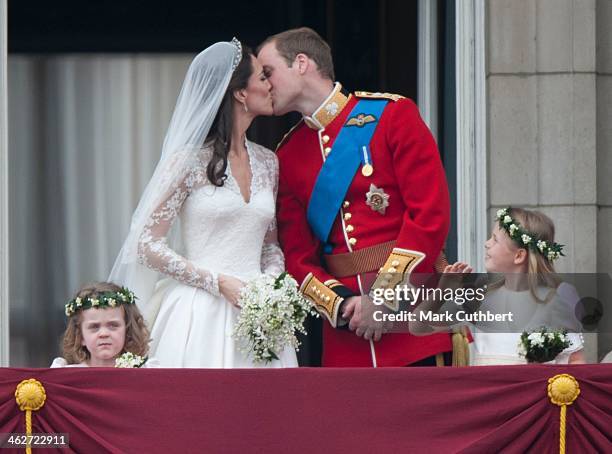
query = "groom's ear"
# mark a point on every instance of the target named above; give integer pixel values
(302, 61)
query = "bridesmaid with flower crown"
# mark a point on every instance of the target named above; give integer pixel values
(105, 329)
(522, 250)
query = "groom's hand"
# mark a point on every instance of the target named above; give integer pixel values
(362, 319)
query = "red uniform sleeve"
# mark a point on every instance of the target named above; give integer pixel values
(422, 182)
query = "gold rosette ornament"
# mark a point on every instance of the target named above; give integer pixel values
(563, 390)
(30, 396)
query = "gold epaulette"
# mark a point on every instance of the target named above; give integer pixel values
(395, 271)
(326, 301)
(378, 95)
(286, 136)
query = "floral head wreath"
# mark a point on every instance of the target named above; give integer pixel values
(106, 299)
(550, 251)
(238, 54)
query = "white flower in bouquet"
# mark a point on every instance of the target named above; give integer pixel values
(542, 345)
(130, 360)
(536, 339)
(272, 310)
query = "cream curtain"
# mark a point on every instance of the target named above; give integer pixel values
(85, 132)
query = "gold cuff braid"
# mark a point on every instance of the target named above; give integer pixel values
(326, 301)
(395, 271)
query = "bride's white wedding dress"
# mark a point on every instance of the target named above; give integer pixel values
(221, 233)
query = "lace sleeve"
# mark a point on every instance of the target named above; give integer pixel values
(153, 249)
(272, 259)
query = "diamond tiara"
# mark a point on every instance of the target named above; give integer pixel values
(238, 55)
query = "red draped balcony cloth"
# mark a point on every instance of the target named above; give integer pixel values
(472, 409)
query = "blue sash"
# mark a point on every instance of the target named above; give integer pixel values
(339, 168)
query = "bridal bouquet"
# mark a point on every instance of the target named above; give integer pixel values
(542, 345)
(130, 360)
(272, 311)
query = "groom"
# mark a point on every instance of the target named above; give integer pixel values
(361, 190)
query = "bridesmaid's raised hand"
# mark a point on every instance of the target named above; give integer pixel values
(458, 267)
(448, 280)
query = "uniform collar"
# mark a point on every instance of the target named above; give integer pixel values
(328, 110)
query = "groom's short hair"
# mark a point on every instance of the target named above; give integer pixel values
(305, 41)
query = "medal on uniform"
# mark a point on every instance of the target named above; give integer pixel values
(377, 199)
(366, 159)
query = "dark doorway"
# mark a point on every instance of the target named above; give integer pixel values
(374, 43)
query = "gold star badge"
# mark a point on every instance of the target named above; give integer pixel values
(377, 199)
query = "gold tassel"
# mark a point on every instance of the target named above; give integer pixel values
(563, 390)
(461, 348)
(30, 396)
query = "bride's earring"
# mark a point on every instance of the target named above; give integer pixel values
(246, 109)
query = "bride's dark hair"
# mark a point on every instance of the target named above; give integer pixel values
(221, 129)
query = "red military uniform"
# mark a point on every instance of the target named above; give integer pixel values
(407, 168)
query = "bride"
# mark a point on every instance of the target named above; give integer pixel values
(206, 221)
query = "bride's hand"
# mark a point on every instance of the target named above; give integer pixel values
(230, 287)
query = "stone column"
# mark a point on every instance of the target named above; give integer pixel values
(604, 160)
(542, 113)
(4, 258)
